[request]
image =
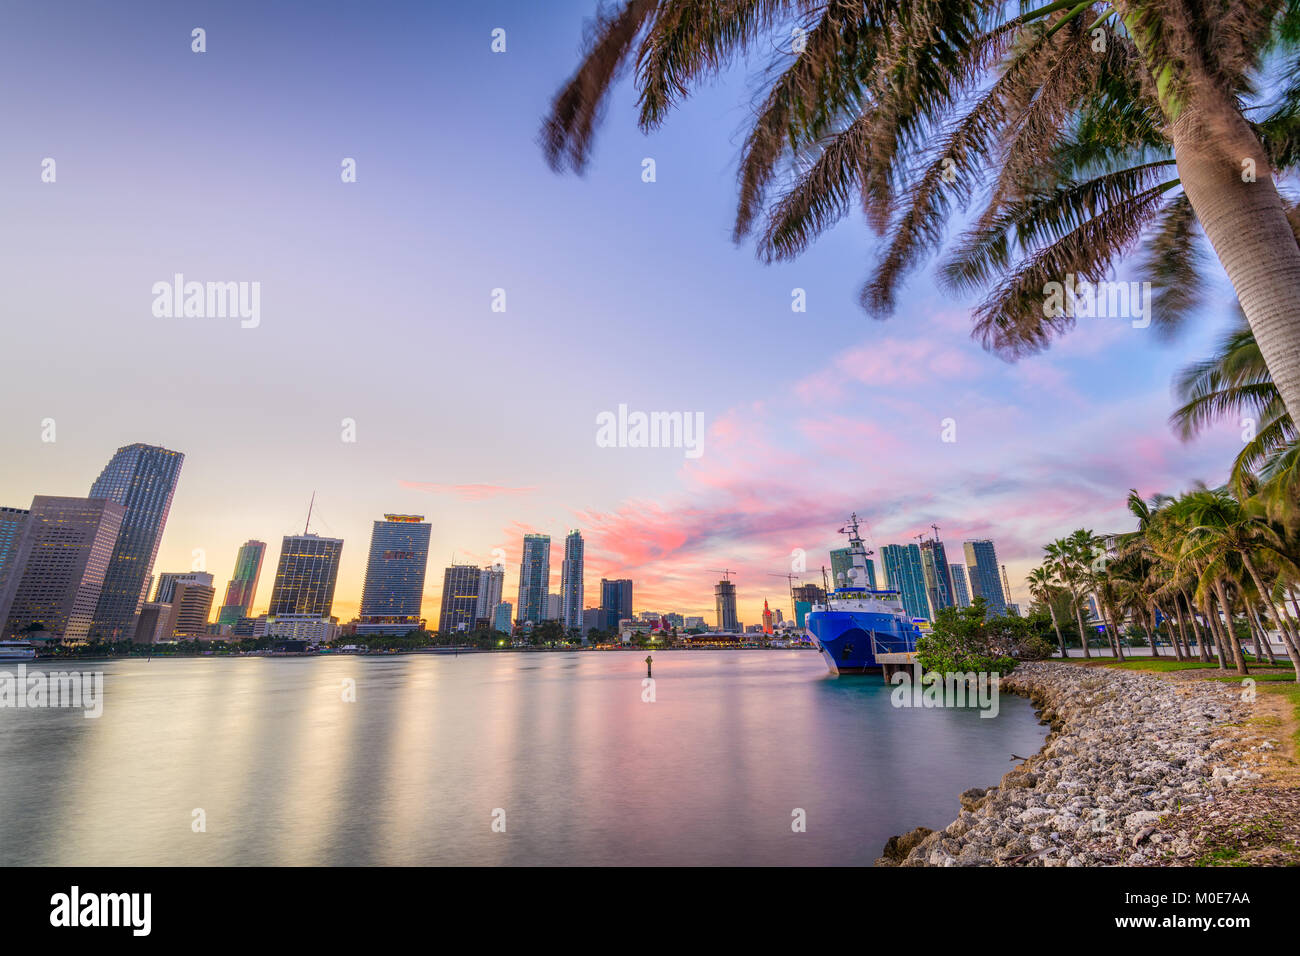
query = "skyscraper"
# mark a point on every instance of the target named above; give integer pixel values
(394, 585)
(459, 598)
(242, 589)
(168, 580)
(842, 564)
(985, 582)
(12, 522)
(535, 578)
(305, 576)
(938, 579)
(615, 602)
(191, 603)
(142, 479)
(59, 566)
(905, 574)
(724, 599)
(571, 582)
(491, 588)
(501, 617)
(958, 574)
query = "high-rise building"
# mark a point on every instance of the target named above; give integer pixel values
(615, 602)
(305, 576)
(168, 580)
(985, 582)
(59, 566)
(459, 598)
(553, 606)
(151, 623)
(571, 582)
(501, 617)
(938, 579)
(724, 599)
(961, 596)
(905, 574)
(491, 589)
(191, 604)
(841, 569)
(12, 522)
(535, 578)
(142, 479)
(394, 585)
(767, 618)
(242, 589)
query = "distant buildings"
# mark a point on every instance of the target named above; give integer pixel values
(12, 522)
(168, 580)
(960, 594)
(242, 589)
(767, 618)
(535, 578)
(501, 617)
(306, 576)
(938, 580)
(491, 587)
(142, 479)
(459, 598)
(904, 571)
(724, 598)
(394, 584)
(615, 602)
(571, 572)
(59, 566)
(985, 582)
(191, 604)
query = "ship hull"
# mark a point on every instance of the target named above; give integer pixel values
(848, 640)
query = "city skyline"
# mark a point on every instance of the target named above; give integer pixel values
(797, 440)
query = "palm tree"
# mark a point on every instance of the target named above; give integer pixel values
(1043, 587)
(1093, 124)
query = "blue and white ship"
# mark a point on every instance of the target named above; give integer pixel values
(858, 622)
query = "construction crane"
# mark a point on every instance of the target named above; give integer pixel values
(725, 572)
(790, 578)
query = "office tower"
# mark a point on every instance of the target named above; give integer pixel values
(724, 599)
(168, 580)
(242, 589)
(491, 588)
(12, 522)
(905, 574)
(535, 578)
(459, 598)
(394, 584)
(842, 565)
(191, 604)
(938, 579)
(571, 582)
(501, 617)
(982, 563)
(142, 479)
(305, 576)
(615, 602)
(767, 618)
(960, 595)
(151, 623)
(59, 566)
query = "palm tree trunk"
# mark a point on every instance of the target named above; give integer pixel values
(1212, 625)
(1056, 627)
(1288, 637)
(1263, 649)
(1083, 635)
(1247, 225)
(1234, 642)
(1198, 630)
(1182, 649)
(1116, 647)
(1153, 635)
(1173, 634)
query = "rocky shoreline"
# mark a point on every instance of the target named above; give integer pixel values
(1127, 752)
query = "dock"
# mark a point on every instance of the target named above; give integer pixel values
(892, 663)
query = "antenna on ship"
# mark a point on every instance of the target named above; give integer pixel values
(309, 507)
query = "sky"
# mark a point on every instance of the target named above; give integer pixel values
(376, 309)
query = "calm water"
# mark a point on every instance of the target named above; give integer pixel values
(289, 773)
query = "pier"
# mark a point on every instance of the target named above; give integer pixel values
(892, 663)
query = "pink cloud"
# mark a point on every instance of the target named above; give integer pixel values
(467, 492)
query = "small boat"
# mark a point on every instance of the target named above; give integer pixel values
(17, 651)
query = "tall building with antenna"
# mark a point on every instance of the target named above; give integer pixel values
(724, 600)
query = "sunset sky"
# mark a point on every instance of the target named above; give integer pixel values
(376, 307)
